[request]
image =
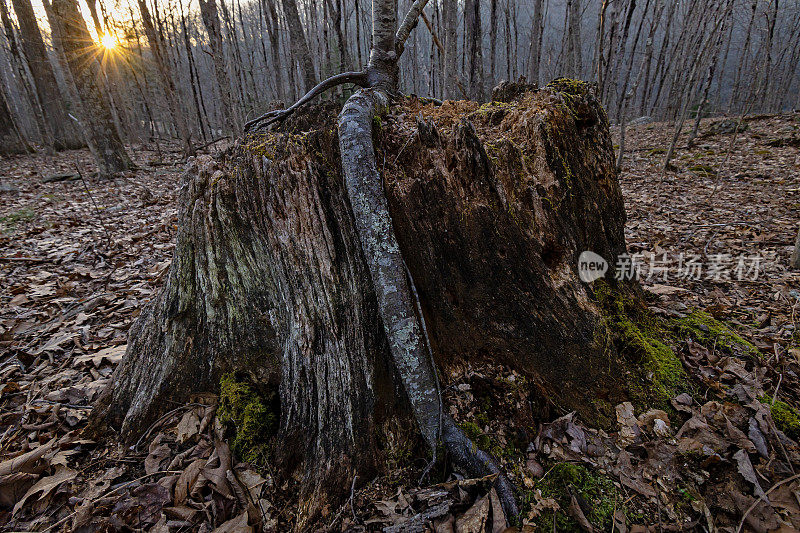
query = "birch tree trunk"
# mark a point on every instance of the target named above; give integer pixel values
(100, 132)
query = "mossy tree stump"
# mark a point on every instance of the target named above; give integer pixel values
(491, 206)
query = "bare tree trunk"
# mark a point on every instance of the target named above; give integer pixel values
(574, 52)
(208, 10)
(300, 50)
(450, 24)
(537, 29)
(648, 53)
(492, 44)
(474, 51)
(167, 81)
(18, 63)
(795, 260)
(59, 124)
(11, 140)
(101, 134)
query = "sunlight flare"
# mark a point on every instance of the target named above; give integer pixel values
(108, 41)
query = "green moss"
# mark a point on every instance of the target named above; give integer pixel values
(703, 169)
(786, 417)
(569, 86)
(657, 151)
(11, 220)
(485, 442)
(565, 480)
(253, 420)
(639, 336)
(711, 333)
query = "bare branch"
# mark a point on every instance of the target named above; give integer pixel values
(409, 23)
(358, 78)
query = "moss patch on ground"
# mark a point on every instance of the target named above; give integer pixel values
(711, 333)
(596, 491)
(639, 336)
(251, 417)
(786, 417)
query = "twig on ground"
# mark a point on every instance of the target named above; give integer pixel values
(96, 207)
(753, 505)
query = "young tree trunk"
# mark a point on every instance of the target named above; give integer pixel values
(100, 132)
(795, 261)
(61, 132)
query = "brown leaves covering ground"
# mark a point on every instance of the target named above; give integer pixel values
(79, 258)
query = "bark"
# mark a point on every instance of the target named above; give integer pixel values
(163, 67)
(286, 270)
(795, 260)
(272, 23)
(61, 133)
(210, 15)
(80, 51)
(299, 44)
(11, 141)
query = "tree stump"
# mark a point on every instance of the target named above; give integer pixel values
(491, 205)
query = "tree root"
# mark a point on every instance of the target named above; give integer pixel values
(358, 78)
(382, 254)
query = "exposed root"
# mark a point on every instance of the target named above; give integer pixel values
(358, 78)
(382, 254)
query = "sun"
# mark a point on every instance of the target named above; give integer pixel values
(108, 41)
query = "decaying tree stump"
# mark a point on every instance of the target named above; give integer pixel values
(491, 206)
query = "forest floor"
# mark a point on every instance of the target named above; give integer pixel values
(80, 257)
